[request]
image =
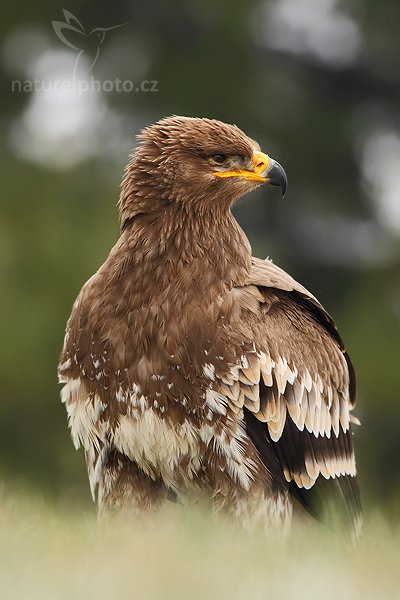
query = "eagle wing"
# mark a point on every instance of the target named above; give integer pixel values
(295, 392)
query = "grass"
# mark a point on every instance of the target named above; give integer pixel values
(49, 552)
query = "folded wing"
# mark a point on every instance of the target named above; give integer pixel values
(295, 391)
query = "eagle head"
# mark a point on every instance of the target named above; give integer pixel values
(198, 163)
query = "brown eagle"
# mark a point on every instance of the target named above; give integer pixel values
(192, 369)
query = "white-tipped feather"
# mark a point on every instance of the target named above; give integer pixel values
(344, 414)
(354, 420)
(235, 390)
(302, 395)
(309, 420)
(335, 413)
(252, 395)
(327, 422)
(307, 379)
(276, 427)
(252, 373)
(243, 378)
(312, 467)
(266, 372)
(294, 409)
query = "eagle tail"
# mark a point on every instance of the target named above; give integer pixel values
(335, 502)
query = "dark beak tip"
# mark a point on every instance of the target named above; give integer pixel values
(277, 176)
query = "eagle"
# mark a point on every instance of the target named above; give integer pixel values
(193, 371)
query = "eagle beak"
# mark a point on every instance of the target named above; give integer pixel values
(270, 170)
(265, 170)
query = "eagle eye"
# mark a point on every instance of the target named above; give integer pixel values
(219, 159)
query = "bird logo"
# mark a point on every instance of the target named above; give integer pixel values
(73, 34)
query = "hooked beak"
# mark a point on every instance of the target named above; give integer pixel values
(265, 170)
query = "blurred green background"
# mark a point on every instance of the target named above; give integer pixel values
(316, 83)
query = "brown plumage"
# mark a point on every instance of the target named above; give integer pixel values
(189, 366)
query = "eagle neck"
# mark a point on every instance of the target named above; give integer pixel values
(180, 247)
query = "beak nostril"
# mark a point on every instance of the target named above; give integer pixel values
(260, 162)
